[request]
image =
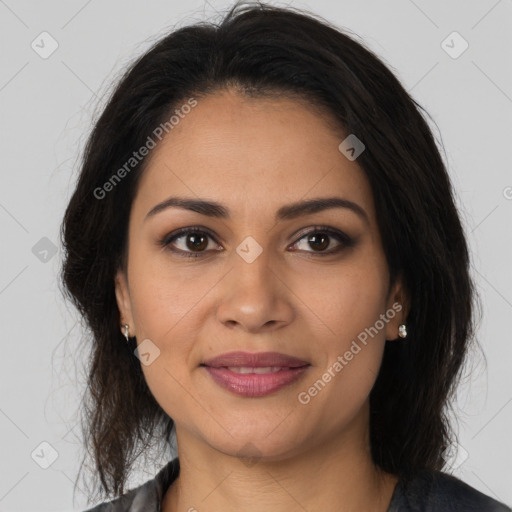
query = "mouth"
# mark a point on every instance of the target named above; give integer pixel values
(255, 360)
(256, 369)
(255, 374)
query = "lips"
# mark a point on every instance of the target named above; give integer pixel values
(254, 384)
(255, 374)
(254, 360)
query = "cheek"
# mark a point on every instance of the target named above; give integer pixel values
(164, 312)
(346, 300)
(168, 301)
(164, 293)
(350, 334)
(352, 349)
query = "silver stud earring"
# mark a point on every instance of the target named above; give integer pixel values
(126, 331)
(402, 331)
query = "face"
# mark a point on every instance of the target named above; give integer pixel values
(312, 284)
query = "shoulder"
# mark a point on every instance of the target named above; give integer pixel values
(429, 491)
(145, 498)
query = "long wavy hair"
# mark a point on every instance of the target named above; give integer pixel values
(264, 51)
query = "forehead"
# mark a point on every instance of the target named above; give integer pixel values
(252, 153)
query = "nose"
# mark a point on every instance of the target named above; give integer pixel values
(254, 297)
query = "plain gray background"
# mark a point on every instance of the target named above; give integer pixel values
(46, 109)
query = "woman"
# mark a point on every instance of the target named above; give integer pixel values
(264, 243)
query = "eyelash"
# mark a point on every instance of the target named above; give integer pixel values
(341, 237)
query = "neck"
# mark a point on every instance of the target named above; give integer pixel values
(335, 476)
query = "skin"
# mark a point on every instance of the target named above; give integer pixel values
(254, 156)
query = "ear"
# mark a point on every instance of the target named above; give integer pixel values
(123, 300)
(397, 308)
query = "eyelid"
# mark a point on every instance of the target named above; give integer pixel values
(334, 232)
(167, 240)
(344, 240)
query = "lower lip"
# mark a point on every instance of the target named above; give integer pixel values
(254, 384)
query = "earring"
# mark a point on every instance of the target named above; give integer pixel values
(126, 330)
(402, 331)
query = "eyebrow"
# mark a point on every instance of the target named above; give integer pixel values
(287, 212)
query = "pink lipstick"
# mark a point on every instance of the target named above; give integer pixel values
(255, 374)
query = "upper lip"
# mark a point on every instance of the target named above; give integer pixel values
(255, 360)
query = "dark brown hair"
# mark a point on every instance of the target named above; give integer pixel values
(262, 50)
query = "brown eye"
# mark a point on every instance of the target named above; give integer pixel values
(190, 242)
(196, 242)
(320, 239)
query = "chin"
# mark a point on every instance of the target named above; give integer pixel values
(256, 447)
